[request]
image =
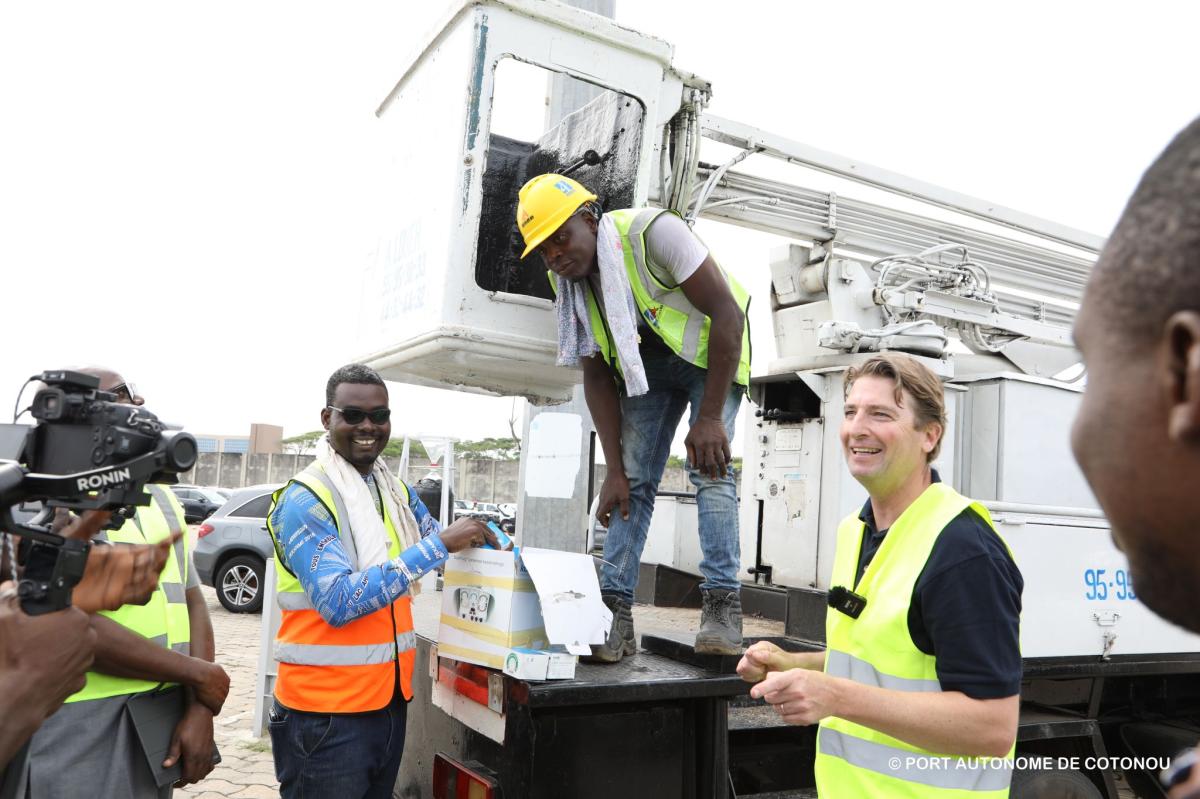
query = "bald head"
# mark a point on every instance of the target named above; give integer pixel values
(1150, 268)
(107, 377)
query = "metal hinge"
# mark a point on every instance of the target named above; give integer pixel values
(496, 692)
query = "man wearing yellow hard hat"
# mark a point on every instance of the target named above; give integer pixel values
(658, 328)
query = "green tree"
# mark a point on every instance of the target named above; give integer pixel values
(302, 444)
(680, 462)
(503, 449)
(305, 443)
(395, 447)
(500, 449)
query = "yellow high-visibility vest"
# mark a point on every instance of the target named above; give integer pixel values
(348, 669)
(164, 619)
(665, 309)
(877, 649)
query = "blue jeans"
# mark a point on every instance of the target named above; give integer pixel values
(648, 425)
(342, 755)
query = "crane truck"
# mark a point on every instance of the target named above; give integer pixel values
(982, 294)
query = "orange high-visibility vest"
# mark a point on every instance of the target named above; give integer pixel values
(348, 669)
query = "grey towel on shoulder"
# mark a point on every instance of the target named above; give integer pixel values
(575, 337)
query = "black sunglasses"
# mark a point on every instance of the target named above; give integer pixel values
(356, 415)
(127, 389)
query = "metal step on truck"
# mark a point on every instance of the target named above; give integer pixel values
(983, 295)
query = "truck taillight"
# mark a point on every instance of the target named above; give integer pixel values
(204, 530)
(453, 780)
(467, 680)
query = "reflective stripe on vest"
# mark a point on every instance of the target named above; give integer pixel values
(175, 592)
(348, 669)
(665, 309)
(842, 664)
(164, 618)
(950, 773)
(634, 232)
(876, 649)
(344, 655)
(162, 640)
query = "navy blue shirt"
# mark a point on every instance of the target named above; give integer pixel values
(966, 605)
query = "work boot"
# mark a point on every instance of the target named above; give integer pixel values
(720, 623)
(620, 641)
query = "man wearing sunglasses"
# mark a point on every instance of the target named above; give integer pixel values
(350, 542)
(126, 392)
(91, 747)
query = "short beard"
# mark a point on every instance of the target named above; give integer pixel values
(357, 463)
(1167, 583)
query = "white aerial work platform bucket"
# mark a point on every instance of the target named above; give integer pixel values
(446, 300)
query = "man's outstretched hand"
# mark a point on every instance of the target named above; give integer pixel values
(466, 533)
(121, 574)
(116, 575)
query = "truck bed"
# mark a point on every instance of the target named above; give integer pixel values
(665, 719)
(638, 678)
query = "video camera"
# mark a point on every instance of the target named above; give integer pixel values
(87, 452)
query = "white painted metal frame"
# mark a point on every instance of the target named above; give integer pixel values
(425, 319)
(264, 680)
(748, 137)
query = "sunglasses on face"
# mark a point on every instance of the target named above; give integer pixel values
(356, 415)
(126, 391)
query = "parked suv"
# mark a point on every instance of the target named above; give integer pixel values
(488, 512)
(198, 503)
(508, 517)
(232, 549)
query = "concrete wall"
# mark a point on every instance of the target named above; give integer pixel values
(205, 471)
(234, 470)
(475, 479)
(284, 466)
(229, 470)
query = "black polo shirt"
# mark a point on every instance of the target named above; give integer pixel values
(966, 605)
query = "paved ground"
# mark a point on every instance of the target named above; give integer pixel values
(246, 770)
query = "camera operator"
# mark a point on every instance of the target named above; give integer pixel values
(44, 658)
(90, 747)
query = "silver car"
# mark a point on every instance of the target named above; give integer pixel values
(233, 546)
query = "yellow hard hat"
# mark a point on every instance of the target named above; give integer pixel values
(544, 203)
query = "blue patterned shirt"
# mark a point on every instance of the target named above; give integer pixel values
(313, 552)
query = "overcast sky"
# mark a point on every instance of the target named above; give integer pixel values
(181, 185)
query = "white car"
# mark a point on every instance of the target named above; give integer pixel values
(488, 511)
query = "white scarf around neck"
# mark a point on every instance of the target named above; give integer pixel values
(366, 528)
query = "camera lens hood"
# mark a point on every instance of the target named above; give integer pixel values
(180, 450)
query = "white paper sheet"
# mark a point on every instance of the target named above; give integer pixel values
(569, 592)
(552, 455)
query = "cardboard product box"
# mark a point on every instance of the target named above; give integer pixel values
(497, 602)
(555, 663)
